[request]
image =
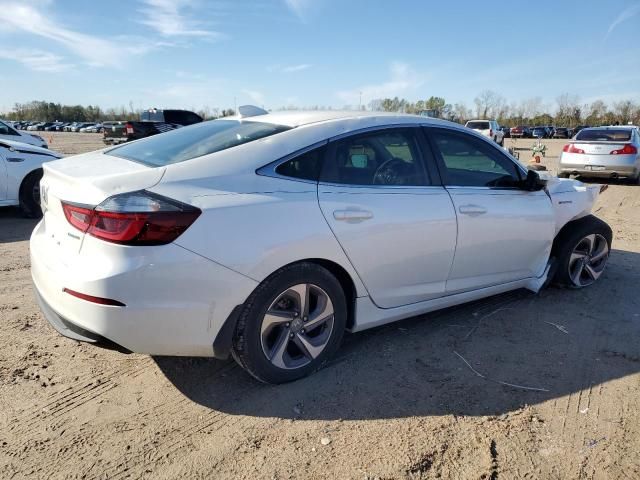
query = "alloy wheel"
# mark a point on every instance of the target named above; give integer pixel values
(297, 326)
(588, 260)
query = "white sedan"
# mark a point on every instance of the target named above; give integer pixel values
(269, 235)
(20, 173)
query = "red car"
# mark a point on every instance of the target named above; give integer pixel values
(520, 131)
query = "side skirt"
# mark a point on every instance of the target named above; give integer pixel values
(368, 315)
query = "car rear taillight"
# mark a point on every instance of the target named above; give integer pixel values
(128, 128)
(137, 218)
(571, 148)
(627, 150)
(490, 133)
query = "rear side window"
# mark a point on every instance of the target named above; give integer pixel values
(194, 141)
(305, 166)
(604, 135)
(387, 157)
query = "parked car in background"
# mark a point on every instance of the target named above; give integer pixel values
(7, 132)
(97, 128)
(561, 132)
(86, 126)
(520, 131)
(79, 125)
(539, 132)
(577, 129)
(609, 152)
(506, 132)
(33, 126)
(151, 123)
(488, 128)
(139, 246)
(20, 174)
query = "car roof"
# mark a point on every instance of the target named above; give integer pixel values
(304, 117)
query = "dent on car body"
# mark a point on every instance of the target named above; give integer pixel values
(571, 199)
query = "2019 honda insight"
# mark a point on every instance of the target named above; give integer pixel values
(268, 236)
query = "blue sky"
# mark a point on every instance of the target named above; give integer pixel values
(194, 53)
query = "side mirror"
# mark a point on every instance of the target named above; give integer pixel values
(533, 182)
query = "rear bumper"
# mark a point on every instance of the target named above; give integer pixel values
(604, 166)
(176, 301)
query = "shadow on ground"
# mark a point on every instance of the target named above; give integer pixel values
(559, 342)
(14, 226)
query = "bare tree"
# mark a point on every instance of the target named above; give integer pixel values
(486, 102)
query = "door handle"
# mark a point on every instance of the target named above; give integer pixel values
(352, 215)
(472, 209)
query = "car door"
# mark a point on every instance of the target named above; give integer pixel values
(3, 175)
(504, 232)
(391, 215)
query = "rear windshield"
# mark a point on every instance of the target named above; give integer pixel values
(195, 141)
(478, 125)
(604, 135)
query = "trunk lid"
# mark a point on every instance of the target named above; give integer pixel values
(86, 179)
(599, 148)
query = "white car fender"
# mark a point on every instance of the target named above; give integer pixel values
(571, 199)
(21, 159)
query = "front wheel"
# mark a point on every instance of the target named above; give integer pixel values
(582, 252)
(291, 324)
(29, 195)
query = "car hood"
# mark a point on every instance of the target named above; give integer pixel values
(29, 148)
(571, 199)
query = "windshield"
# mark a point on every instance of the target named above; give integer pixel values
(195, 141)
(478, 125)
(604, 135)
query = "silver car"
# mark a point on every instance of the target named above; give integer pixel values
(610, 152)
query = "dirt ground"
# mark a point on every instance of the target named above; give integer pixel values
(398, 402)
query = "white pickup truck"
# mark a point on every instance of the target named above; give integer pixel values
(488, 128)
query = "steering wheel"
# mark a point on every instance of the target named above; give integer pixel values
(388, 172)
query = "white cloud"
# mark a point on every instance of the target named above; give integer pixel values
(26, 18)
(296, 68)
(289, 68)
(35, 59)
(168, 17)
(300, 8)
(403, 80)
(625, 15)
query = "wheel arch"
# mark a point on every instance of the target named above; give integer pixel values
(570, 225)
(26, 176)
(222, 342)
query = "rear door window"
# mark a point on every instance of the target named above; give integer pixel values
(386, 157)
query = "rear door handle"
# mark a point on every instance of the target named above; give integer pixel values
(352, 215)
(472, 209)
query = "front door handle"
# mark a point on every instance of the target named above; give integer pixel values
(472, 209)
(352, 215)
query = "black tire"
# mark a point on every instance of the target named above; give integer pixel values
(29, 195)
(501, 142)
(569, 239)
(563, 175)
(247, 348)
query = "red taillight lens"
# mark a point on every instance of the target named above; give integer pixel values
(627, 150)
(571, 148)
(78, 216)
(490, 133)
(129, 129)
(137, 218)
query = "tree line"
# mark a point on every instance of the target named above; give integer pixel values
(50, 112)
(567, 110)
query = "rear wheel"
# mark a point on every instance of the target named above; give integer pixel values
(291, 324)
(582, 252)
(563, 175)
(29, 195)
